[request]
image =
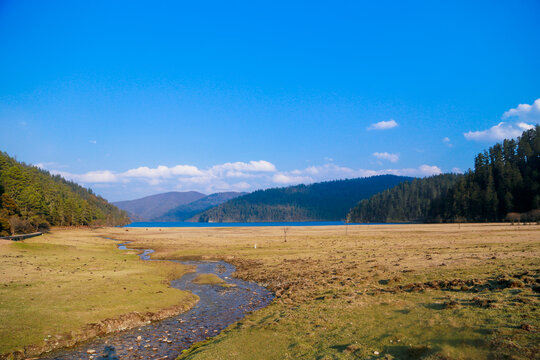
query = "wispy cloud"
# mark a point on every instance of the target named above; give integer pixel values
(93, 141)
(523, 116)
(383, 125)
(386, 156)
(447, 141)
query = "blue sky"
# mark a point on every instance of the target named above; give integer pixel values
(134, 98)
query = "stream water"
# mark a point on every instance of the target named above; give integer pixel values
(218, 307)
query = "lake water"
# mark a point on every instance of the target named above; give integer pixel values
(242, 224)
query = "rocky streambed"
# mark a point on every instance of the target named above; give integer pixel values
(219, 306)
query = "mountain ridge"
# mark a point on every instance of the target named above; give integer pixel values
(323, 201)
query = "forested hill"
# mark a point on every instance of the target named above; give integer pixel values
(414, 201)
(328, 201)
(505, 184)
(32, 198)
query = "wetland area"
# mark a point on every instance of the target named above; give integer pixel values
(453, 291)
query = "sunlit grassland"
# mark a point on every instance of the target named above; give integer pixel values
(57, 283)
(373, 291)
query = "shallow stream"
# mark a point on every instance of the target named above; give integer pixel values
(218, 307)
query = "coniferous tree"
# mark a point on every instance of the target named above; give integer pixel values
(31, 198)
(506, 179)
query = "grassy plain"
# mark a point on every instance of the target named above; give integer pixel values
(53, 286)
(367, 292)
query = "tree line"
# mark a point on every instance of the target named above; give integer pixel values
(324, 201)
(32, 199)
(505, 183)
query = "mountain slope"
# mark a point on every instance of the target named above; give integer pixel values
(154, 206)
(31, 197)
(408, 201)
(186, 211)
(320, 201)
(504, 184)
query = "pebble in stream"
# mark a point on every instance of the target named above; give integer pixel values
(218, 307)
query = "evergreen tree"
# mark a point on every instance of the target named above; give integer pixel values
(32, 197)
(506, 179)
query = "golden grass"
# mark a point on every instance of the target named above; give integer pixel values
(401, 291)
(59, 282)
(208, 279)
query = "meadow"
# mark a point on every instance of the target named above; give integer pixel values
(456, 291)
(71, 285)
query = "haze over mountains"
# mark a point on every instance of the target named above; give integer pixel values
(186, 211)
(172, 206)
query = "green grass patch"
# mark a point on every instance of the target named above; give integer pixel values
(57, 283)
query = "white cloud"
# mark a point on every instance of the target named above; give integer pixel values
(498, 132)
(238, 176)
(93, 142)
(457, 170)
(522, 114)
(525, 113)
(332, 172)
(241, 186)
(252, 166)
(427, 170)
(386, 156)
(383, 125)
(99, 176)
(288, 179)
(525, 126)
(162, 172)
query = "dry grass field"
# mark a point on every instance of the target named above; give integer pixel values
(356, 292)
(399, 291)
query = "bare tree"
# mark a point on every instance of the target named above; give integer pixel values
(513, 217)
(285, 229)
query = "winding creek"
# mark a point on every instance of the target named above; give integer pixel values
(218, 307)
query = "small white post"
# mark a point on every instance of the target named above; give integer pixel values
(255, 246)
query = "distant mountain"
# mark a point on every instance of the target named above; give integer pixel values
(154, 206)
(186, 211)
(328, 201)
(31, 198)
